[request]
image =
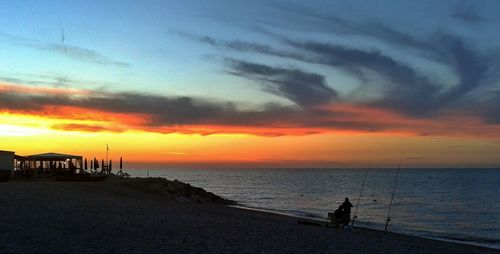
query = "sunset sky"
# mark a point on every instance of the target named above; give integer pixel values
(253, 83)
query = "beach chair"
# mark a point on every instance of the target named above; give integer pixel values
(335, 222)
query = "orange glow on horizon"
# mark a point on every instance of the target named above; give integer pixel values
(324, 150)
(346, 138)
(342, 119)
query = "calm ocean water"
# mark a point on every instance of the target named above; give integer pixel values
(452, 204)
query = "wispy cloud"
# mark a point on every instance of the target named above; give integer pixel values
(304, 88)
(44, 80)
(402, 86)
(411, 100)
(80, 54)
(66, 50)
(158, 110)
(86, 127)
(119, 111)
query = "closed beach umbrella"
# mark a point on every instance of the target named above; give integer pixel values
(102, 163)
(121, 163)
(85, 163)
(110, 166)
(91, 165)
(96, 164)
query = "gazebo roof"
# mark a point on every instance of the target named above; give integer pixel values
(19, 157)
(53, 156)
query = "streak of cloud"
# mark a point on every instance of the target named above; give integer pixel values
(403, 87)
(86, 128)
(304, 88)
(66, 50)
(120, 111)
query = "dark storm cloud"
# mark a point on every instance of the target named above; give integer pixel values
(304, 88)
(66, 50)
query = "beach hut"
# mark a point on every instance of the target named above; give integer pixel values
(6, 165)
(48, 161)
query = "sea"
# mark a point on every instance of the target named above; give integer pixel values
(460, 205)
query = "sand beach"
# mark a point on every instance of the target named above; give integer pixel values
(122, 215)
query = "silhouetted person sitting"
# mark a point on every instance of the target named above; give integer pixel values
(338, 216)
(346, 206)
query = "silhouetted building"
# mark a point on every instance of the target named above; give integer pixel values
(53, 161)
(6, 165)
(38, 164)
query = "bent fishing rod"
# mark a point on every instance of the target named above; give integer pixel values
(392, 196)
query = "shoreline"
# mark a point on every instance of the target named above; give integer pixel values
(138, 215)
(318, 220)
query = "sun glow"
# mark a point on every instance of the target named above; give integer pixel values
(17, 131)
(29, 134)
(21, 125)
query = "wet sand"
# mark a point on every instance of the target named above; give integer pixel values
(127, 216)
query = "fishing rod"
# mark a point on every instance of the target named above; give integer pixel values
(392, 196)
(357, 203)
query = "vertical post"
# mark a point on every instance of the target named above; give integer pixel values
(107, 151)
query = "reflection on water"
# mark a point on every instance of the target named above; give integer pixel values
(459, 204)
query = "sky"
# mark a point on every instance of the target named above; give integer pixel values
(253, 83)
